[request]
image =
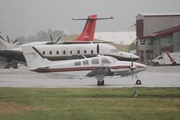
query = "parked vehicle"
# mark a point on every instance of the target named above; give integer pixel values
(167, 59)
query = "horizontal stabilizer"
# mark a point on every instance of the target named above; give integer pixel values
(93, 18)
(40, 68)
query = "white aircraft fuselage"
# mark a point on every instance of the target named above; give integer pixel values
(61, 52)
(91, 67)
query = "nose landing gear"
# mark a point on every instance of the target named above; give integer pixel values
(138, 82)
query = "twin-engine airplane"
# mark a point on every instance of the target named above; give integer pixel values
(12, 51)
(97, 67)
(62, 50)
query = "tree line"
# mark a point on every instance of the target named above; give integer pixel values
(43, 36)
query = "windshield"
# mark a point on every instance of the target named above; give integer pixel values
(116, 50)
(113, 59)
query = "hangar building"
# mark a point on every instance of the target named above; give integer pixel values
(156, 34)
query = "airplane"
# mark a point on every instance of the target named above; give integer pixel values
(11, 51)
(97, 67)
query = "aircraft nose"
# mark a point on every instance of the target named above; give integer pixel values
(135, 56)
(143, 66)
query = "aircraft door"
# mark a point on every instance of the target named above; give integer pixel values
(79, 50)
(64, 51)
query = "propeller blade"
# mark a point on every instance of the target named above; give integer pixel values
(15, 41)
(51, 38)
(2, 38)
(58, 39)
(8, 39)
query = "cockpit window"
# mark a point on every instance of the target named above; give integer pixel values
(116, 50)
(113, 59)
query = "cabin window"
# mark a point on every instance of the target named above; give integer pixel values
(85, 51)
(50, 52)
(92, 51)
(78, 52)
(71, 52)
(64, 52)
(57, 52)
(43, 52)
(85, 62)
(78, 63)
(105, 60)
(95, 61)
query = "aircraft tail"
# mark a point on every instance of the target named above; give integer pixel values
(89, 28)
(34, 58)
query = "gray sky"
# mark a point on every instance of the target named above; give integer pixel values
(27, 17)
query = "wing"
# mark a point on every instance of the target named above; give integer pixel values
(100, 71)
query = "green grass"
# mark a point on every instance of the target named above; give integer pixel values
(89, 104)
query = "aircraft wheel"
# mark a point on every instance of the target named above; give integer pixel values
(156, 64)
(15, 66)
(138, 82)
(100, 82)
(174, 63)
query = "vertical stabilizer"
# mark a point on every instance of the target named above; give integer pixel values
(89, 28)
(34, 58)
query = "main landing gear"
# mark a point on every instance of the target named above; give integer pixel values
(11, 65)
(100, 83)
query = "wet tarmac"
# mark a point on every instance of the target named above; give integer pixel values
(161, 76)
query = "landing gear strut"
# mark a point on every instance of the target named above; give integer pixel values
(100, 82)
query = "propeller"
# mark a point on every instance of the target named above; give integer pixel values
(8, 40)
(52, 40)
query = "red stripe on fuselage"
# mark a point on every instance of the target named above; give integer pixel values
(79, 69)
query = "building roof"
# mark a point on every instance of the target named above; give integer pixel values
(123, 38)
(163, 32)
(158, 14)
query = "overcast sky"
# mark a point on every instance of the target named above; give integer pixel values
(27, 17)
